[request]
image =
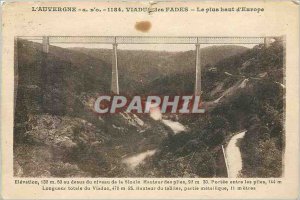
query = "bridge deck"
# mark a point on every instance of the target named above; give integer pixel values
(148, 40)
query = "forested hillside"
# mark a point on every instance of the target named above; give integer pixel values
(58, 134)
(137, 68)
(243, 92)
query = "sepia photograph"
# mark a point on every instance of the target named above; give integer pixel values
(153, 107)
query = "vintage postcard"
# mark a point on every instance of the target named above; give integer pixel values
(150, 100)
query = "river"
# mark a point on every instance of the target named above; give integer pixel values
(133, 161)
(234, 157)
(176, 127)
(137, 159)
(232, 151)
